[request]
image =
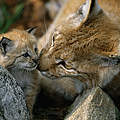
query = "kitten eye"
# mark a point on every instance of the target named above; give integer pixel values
(26, 55)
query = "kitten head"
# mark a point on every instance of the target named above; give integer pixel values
(18, 49)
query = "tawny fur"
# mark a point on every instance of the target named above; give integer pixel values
(88, 51)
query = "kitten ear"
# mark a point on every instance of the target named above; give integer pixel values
(32, 30)
(5, 45)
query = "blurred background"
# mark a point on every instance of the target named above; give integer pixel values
(24, 14)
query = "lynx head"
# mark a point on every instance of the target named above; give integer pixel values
(86, 42)
(18, 50)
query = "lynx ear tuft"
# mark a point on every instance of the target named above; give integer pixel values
(32, 30)
(5, 45)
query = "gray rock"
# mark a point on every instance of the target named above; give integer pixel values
(96, 105)
(12, 100)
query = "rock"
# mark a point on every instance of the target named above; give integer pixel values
(12, 100)
(96, 105)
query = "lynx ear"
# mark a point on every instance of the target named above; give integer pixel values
(76, 19)
(5, 45)
(32, 30)
(111, 8)
(94, 8)
(88, 9)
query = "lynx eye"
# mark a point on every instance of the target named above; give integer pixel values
(26, 55)
(61, 62)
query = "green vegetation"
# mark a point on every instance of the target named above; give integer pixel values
(6, 18)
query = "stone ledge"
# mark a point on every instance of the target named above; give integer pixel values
(96, 105)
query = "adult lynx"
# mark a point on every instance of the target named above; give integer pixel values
(85, 47)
